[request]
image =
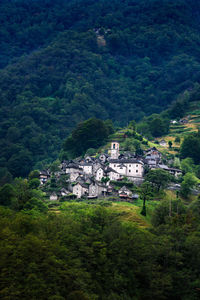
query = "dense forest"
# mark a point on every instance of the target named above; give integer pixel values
(63, 62)
(87, 253)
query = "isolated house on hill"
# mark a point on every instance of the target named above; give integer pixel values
(163, 143)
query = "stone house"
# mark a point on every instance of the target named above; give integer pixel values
(73, 176)
(153, 153)
(112, 174)
(124, 192)
(173, 171)
(72, 168)
(86, 167)
(97, 189)
(96, 165)
(44, 176)
(99, 174)
(163, 143)
(80, 190)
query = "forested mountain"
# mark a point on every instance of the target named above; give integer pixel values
(65, 61)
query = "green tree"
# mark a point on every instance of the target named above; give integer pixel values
(165, 210)
(34, 174)
(158, 127)
(34, 183)
(158, 178)
(91, 133)
(146, 193)
(36, 204)
(187, 165)
(7, 195)
(170, 144)
(177, 140)
(189, 182)
(190, 147)
(132, 125)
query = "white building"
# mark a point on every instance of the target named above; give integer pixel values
(130, 168)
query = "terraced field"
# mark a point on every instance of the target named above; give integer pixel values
(181, 130)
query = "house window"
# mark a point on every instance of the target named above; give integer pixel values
(114, 165)
(136, 165)
(130, 166)
(136, 171)
(113, 146)
(129, 171)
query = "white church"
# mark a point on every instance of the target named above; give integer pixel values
(131, 168)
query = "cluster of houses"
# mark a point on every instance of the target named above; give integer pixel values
(92, 177)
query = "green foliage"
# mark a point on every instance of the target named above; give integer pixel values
(88, 134)
(158, 127)
(35, 204)
(145, 63)
(146, 193)
(23, 194)
(34, 183)
(187, 165)
(189, 182)
(158, 178)
(7, 195)
(34, 174)
(190, 147)
(90, 152)
(170, 144)
(154, 126)
(177, 140)
(85, 252)
(166, 210)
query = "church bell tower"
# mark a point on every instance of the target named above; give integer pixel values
(114, 152)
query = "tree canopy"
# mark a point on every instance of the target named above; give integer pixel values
(63, 62)
(91, 133)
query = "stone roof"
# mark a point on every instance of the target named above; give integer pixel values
(85, 164)
(44, 172)
(126, 161)
(82, 184)
(72, 165)
(108, 170)
(164, 167)
(124, 189)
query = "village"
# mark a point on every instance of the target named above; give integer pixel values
(92, 177)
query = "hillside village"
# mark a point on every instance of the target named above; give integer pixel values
(92, 177)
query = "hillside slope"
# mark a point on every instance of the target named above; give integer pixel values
(71, 60)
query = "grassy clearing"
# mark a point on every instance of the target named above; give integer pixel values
(129, 212)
